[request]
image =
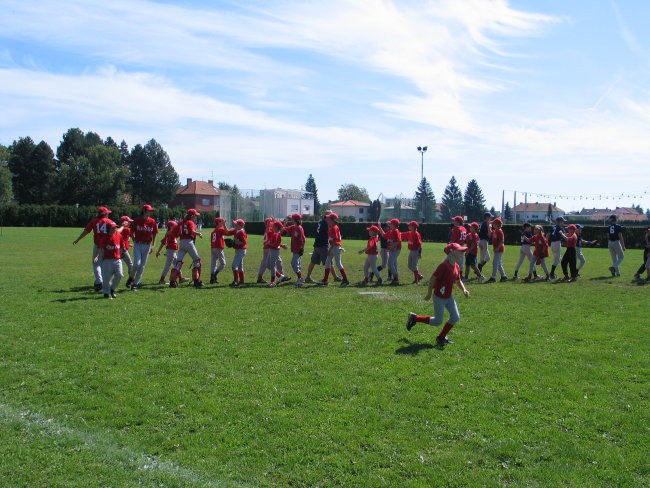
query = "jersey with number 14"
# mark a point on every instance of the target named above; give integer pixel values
(98, 226)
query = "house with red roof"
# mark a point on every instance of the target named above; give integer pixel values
(351, 208)
(203, 195)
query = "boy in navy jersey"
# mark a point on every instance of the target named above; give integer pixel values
(616, 245)
(554, 238)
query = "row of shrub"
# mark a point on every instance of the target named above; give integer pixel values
(73, 216)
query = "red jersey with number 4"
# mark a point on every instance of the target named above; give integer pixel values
(471, 241)
(458, 235)
(413, 239)
(98, 226)
(126, 235)
(112, 245)
(446, 276)
(334, 236)
(240, 238)
(171, 241)
(216, 238)
(371, 248)
(541, 246)
(297, 234)
(144, 229)
(394, 238)
(498, 238)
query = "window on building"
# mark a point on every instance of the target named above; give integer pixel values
(205, 202)
(361, 212)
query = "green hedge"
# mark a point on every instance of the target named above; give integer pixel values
(72, 216)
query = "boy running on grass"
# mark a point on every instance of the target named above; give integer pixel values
(441, 286)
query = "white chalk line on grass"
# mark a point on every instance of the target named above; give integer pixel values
(105, 446)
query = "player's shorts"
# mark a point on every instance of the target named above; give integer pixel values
(470, 259)
(319, 256)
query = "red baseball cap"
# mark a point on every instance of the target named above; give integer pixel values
(454, 246)
(296, 216)
(218, 220)
(148, 208)
(192, 211)
(103, 211)
(395, 222)
(474, 225)
(171, 223)
(373, 228)
(571, 227)
(332, 216)
(239, 222)
(458, 219)
(497, 221)
(126, 218)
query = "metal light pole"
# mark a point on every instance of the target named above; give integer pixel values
(422, 150)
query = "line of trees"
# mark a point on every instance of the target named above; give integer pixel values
(86, 171)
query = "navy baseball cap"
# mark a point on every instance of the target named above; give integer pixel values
(560, 218)
(580, 226)
(487, 214)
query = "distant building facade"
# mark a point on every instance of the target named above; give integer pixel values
(280, 203)
(359, 211)
(535, 212)
(203, 195)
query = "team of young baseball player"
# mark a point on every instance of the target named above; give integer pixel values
(112, 243)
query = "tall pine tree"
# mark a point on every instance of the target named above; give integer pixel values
(34, 170)
(425, 201)
(452, 201)
(153, 178)
(474, 202)
(310, 187)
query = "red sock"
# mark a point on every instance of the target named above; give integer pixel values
(445, 330)
(278, 274)
(235, 275)
(299, 275)
(344, 274)
(416, 276)
(327, 274)
(422, 318)
(241, 276)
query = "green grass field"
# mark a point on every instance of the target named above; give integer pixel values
(545, 385)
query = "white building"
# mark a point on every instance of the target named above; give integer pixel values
(281, 203)
(535, 212)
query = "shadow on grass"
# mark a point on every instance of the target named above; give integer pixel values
(77, 289)
(413, 348)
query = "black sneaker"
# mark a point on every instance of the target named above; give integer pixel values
(491, 280)
(99, 286)
(285, 278)
(503, 278)
(442, 341)
(345, 283)
(106, 295)
(198, 284)
(410, 323)
(134, 287)
(213, 279)
(173, 284)
(612, 270)
(129, 282)
(113, 294)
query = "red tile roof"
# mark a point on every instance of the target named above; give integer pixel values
(198, 188)
(349, 203)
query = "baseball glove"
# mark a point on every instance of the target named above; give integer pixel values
(229, 242)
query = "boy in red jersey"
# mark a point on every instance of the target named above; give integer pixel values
(109, 254)
(275, 244)
(394, 242)
(99, 227)
(335, 249)
(370, 265)
(472, 242)
(499, 247)
(240, 240)
(170, 242)
(414, 244)
(145, 230)
(297, 234)
(441, 286)
(458, 235)
(539, 254)
(217, 245)
(126, 221)
(187, 232)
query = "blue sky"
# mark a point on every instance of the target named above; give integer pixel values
(550, 98)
